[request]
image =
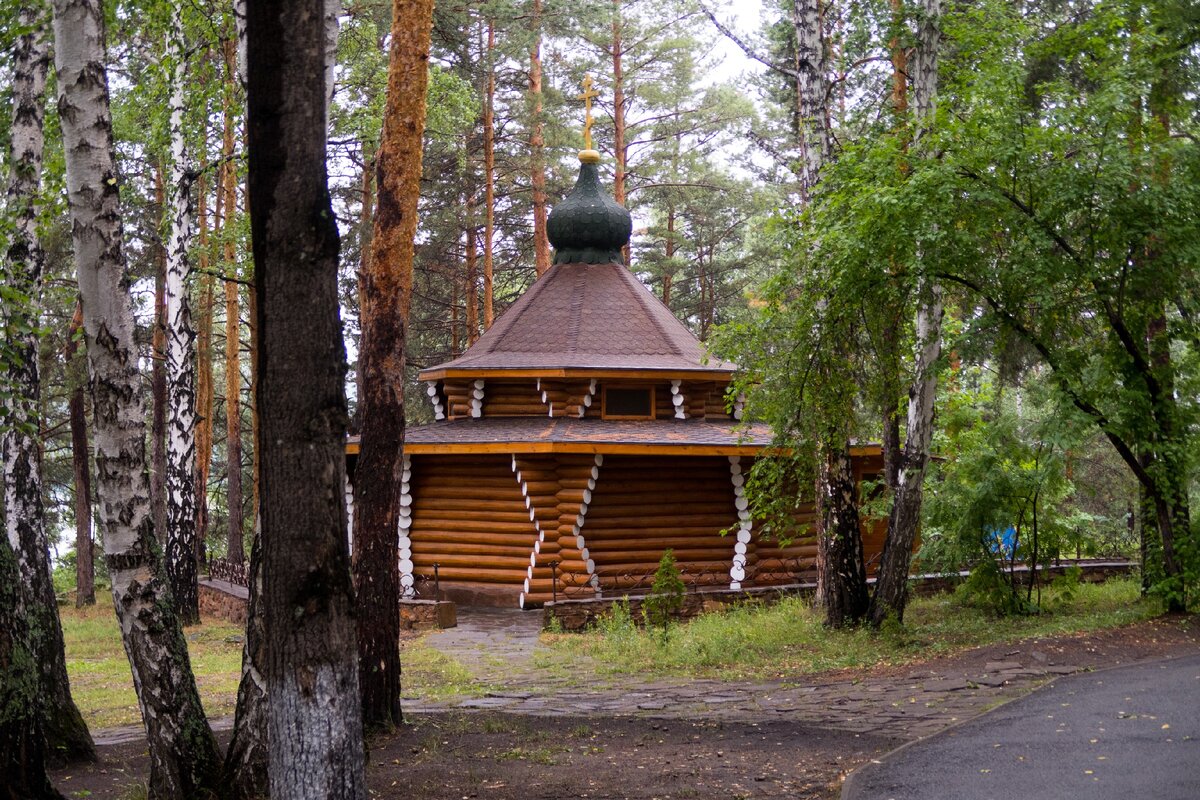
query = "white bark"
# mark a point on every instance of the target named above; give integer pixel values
(183, 754)
(333, 9)
(816, 141)
(181, 356)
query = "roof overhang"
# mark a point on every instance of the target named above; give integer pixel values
(442, 373)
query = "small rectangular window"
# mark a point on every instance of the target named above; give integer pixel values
(628, 402)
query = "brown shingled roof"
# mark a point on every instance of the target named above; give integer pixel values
(587, 316)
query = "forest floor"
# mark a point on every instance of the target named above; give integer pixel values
(508, 724)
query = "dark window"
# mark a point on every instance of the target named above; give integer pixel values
(629, 402)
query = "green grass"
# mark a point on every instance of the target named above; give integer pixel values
(788, 639)
(102, 684)
(433, 675)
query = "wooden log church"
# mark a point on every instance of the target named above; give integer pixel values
(581, 436)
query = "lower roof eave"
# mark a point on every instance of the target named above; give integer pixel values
(632, 372)
(606, 448)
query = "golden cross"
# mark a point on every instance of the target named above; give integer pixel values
(586, 97)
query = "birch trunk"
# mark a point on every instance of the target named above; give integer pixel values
(180, 353)
(85, 568)
(183, 755)
(618, 110)
(537, 143)
(23, 751)
(816, 142)
(845, 582)
(891, 586)
(386, 298)
(24, 515)
(204, 363)
(158, 373)
(314, 715)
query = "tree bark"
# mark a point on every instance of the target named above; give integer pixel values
(24, 514)
(816, 141)
(235, 551)
(23, 750)
(204, 363)
(471, 289)
(314, 715)
(180, 488)
(85, 568)
(846, 596)
(618, 110)
(891, 585)
(158, 373)
(248, 755)
(183, 755)
(387, 298)
(489, 176)
(537, 143)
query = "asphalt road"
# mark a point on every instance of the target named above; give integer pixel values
(1121, 734)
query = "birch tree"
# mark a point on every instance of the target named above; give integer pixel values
(183, 754)
(314, 717)
(180, 350)
(891, 586)
(24, 514)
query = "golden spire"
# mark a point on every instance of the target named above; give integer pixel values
(588, 155)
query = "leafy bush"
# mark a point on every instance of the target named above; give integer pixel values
(666, 593)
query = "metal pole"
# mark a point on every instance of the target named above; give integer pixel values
(437, 584)
(554, 580)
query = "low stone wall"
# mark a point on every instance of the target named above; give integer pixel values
(424, 615)
(224, 600)
(574, 615)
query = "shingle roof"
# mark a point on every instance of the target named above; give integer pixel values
(581, 316)
(522, 431)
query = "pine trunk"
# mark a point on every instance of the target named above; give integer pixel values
(537, 143)
(471, 291)
(618, 109)
(204, 362)
(184, 760)
(489, 176)
(24, 517)
(235, 551)
(180, 488)
(314, 715)
(387, 297)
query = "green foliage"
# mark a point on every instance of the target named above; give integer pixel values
(788, 639)
(666, 593)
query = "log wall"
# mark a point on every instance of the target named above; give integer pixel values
(470, 518)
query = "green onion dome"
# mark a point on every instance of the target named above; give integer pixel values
(588, 226)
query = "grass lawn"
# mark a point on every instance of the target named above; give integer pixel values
(757, 642)
(749, 642)
(102, 684)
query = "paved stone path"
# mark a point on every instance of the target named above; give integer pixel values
(498, 646)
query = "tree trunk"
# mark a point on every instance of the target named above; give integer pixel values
(247, 758)
(23, 750)
(489, 176)
(180, 354)
(471, 292)
(537, 143)
(846, 580)
(24, 514)
(204, 363)
(816, 143)
(387, 297)
(314, 715)
(366, 226)
(183, 755)
(891, 585)
(235, 551)
(158, 373)
(85, 567)
(618, 110)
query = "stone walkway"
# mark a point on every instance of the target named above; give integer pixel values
(498, 646)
